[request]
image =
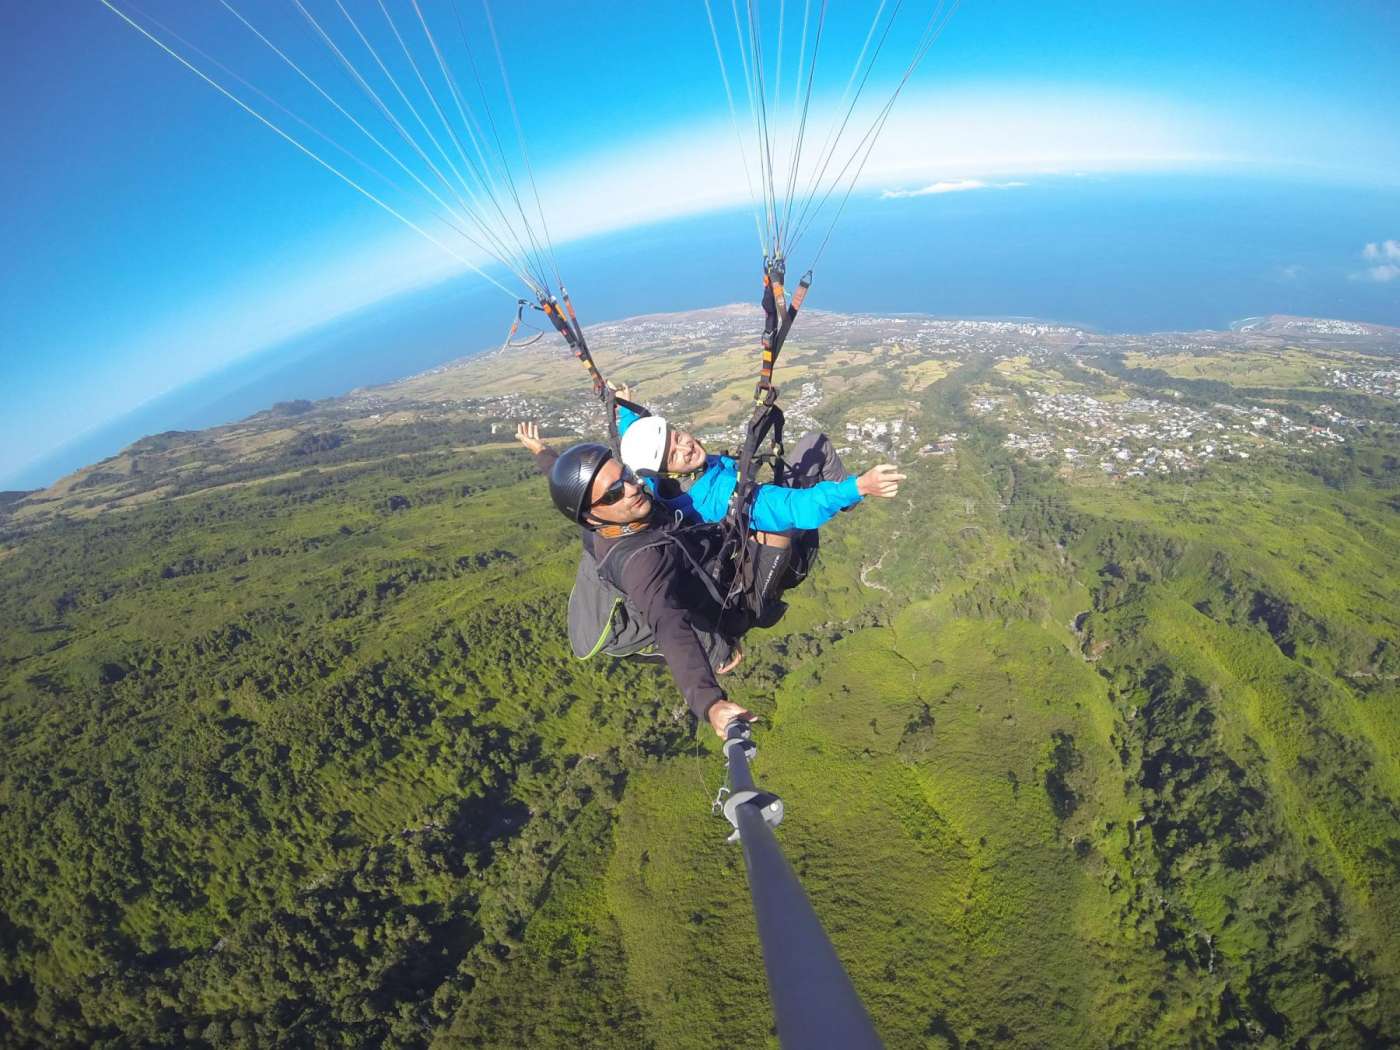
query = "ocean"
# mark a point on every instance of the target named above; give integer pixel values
(1117, 254)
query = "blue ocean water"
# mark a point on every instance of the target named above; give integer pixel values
(1133, 254)
(1129, 254)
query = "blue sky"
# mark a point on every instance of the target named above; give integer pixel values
(154, 232)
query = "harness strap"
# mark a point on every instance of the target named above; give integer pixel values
(573, 335)
(777, 320)
(765, 423)
(605, 565)
(613, 576)
(573, 318)
(610, 410)
(773, 273)
(638, 410)
(569, 327)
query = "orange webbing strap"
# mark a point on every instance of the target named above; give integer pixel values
(765, 372)
(776, 334)
(550, 306)
(799, 296)
(772, 295)
(573, 317)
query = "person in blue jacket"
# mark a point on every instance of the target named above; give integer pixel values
(816, 487)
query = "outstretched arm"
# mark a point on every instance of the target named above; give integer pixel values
(777, 509)
(528, 434)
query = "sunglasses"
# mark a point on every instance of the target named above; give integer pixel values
(617, 489)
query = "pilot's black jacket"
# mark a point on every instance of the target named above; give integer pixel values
(663, 585)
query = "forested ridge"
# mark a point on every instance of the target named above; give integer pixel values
(296, 754)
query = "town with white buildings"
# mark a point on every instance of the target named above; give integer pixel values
(1055, 395)
(1141, 436)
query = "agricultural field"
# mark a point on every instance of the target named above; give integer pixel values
(1288, 367)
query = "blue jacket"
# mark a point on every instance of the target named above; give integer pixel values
(775, 509)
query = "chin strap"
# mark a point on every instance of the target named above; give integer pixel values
(612, 532)
(671, 475)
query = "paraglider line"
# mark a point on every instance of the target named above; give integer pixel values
(284, 135)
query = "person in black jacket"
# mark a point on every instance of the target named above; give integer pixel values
(590, 487)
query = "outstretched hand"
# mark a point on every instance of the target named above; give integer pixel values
(880, 481)
(722, 712)
(528, 434)
(622, 390)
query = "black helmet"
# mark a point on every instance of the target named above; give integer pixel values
(571, 478)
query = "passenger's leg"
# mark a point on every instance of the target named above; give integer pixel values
(772, 555)
(771, 568)
(813, 459)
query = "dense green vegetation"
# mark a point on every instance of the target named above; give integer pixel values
(304, 760)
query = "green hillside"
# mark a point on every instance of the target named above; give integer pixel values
(293, 751)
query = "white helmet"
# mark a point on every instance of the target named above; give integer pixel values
(644, 445)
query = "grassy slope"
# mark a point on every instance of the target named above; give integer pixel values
(916, 759)
(1334, 559)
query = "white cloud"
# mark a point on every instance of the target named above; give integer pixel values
(964, 136)
(1386, 256)
(1377, 250)
(949, 186)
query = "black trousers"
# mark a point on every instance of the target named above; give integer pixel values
(813, 459)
